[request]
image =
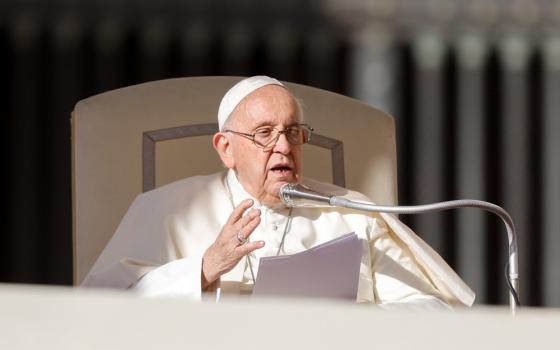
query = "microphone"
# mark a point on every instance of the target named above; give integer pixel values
(298, 195)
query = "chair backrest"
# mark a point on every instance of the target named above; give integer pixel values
(134, 139)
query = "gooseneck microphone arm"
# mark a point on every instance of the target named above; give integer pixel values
(297, 195)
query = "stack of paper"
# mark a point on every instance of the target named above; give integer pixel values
(329, 270)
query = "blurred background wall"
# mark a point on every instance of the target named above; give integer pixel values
(474, 86)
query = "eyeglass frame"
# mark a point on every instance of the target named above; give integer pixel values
(273, 142)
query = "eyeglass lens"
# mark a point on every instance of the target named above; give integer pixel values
(296, 135)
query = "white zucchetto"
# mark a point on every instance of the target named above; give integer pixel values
(238, 92)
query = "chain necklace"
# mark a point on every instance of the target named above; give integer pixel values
(280, 247)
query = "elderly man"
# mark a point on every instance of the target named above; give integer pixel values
(207, 233)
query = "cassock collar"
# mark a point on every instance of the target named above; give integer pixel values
(238, 194)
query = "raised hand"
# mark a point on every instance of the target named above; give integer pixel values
(231, 244)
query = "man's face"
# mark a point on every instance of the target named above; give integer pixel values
(263, 172)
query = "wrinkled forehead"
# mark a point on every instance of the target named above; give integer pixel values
(270, 105)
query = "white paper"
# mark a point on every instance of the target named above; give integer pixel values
(329, 270)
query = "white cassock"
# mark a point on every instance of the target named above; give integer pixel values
(158, 247)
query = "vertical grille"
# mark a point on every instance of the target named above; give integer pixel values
(478, 122)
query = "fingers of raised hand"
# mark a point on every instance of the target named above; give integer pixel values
(238, 211)
(249, 247)
(247, 224)
(232, 245)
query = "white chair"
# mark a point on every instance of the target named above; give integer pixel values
(134, 139)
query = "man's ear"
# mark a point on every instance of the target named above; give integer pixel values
(223, 147)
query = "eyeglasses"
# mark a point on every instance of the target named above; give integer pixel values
(266, 137)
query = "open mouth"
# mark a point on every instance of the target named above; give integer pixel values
(281, 169)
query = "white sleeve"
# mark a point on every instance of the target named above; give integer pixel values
(399, 281)
(180, 277)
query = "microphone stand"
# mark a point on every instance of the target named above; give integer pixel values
(513, 269)
(290, 191)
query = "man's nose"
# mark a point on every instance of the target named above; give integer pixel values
(282, 145)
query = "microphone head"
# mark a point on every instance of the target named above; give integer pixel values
(298, 195)
(285, 193)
